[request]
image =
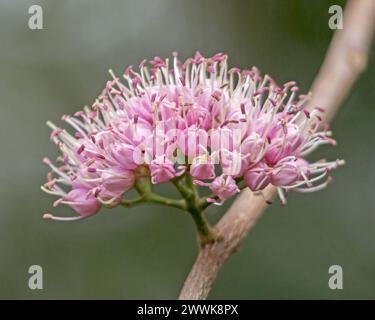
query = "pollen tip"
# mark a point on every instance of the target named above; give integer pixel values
(47, 216)
(46, 161)
(50, 124)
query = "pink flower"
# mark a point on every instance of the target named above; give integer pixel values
(125, 155)
(162, 170)
(202, 168)
(257, 177)
(192, 141)
(117, 181)
(289, 172)
(167, 116)
(82, 202)
(283, 144)
(224, 187)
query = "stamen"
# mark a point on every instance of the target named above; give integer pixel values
(48, 216)
(282, 196)
(316, 188)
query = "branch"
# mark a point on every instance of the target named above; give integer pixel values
(346, 58)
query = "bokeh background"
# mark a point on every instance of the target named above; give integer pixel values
(146, 252)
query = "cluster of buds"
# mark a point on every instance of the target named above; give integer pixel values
(194, 123)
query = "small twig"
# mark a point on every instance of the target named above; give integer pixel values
(144, 188)
(153, 198)
(131, 203)
(345, 60)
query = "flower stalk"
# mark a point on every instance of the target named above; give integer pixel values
(195, 206)
(191, 202)
(206, 233)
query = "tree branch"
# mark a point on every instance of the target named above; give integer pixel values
(346, 58)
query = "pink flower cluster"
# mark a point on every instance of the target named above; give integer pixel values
(222, 127)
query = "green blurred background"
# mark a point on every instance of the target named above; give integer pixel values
(146, 252)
